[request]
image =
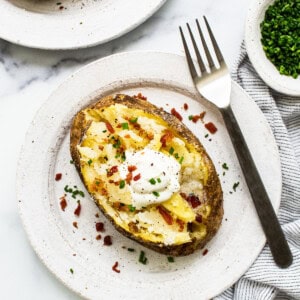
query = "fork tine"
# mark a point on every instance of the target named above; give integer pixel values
(207, 53)
(214, 42)
(198, 55)
(188, 55)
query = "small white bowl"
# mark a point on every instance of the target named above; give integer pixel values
(264, 67)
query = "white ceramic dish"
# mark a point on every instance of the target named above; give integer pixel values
(266, 70)
(165, 80)
(69, 24)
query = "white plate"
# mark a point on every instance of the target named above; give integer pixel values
(165, 80)
(79, 24)
(264, 67)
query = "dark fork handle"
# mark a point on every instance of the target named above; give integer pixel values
(275, 237)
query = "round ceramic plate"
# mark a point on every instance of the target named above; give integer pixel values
(69, 24)
(164, 79)
(266, 70)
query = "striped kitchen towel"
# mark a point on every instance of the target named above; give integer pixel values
(264, 280)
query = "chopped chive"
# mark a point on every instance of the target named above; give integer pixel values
(118, 155)
(71, 162)
(142, 258)
(181, 159)
(176, 155)
(89, 162)
(122, 184)
(224, 166)
(97, 182)
(158, 180)
(235, 185)
(104, 131)
(117, 144)
(123, 156)
(134, 120)
(130, 249)
(206, 136)
(171, 150)
(125, 126)
(152, 181)
(81, 193)
(155, 193)
(71, 271)
(171, 259)
(131, 208)
(191, 117)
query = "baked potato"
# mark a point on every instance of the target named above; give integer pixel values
(148, 174)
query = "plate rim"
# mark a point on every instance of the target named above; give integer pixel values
(26, 139)
(54, 47)
(257, 57)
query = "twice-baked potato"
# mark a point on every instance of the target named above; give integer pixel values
(148, 173)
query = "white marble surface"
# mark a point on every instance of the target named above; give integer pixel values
(28, 76)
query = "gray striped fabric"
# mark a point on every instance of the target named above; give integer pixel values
(264, 280)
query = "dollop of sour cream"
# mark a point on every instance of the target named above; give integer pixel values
(159, 176)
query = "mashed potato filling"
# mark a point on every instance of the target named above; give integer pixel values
(147, 178)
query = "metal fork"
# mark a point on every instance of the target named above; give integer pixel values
(214, 83)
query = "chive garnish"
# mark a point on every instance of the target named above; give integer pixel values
(123, 156)
(71, 162)
(191, 117)
(104, 131)
(171, 151)
(134, 120)
(224, 166)
(131, 208)
(206, 136)
(181, 159)
(117, 144)
(152, 181)
(158, 180)
(235, 185)
(130, 249)
(155, 193)
(71, 271)
(171, 259)
(142, 258)
(125, 126)
(89, 162)
(122, 184)
(176, 155)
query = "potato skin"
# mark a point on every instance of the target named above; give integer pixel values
(213, 186)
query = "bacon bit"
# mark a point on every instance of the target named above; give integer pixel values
(150, 136)
(211, 127)
(110, 181)
(132, 226)
(58, 176)
(127, 136)
(140, 96)
(121, 207)
(204, 252)
(109, 127)
(119, 125)
(165, 214)
(181, 224)
(131, 168)
(107, 240)
(97, 215)
(98, 237)
(100, 147)
(193, 200)
(112, 170)
(183, 195)
(77, 210)
(114, 268)
(202, 115)
(137, 177)
(100, 227)
(104, 192)
(176, 114)
(128, 177)
(63, 202)
(199, 218)
(75, 225)
(166, 138)
(185, 106)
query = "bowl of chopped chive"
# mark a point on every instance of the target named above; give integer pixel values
(272, 39)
